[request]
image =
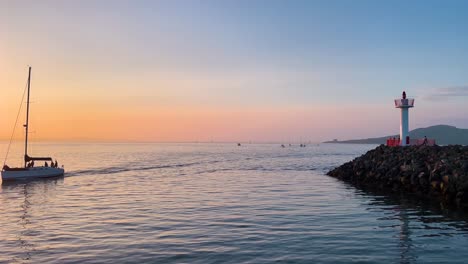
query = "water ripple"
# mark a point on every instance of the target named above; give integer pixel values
(195, 203)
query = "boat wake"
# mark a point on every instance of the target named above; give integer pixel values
(201, 170)
(115, 169)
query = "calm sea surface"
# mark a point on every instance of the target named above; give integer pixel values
(215, 203)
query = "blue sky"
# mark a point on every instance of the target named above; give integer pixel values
(253, 54)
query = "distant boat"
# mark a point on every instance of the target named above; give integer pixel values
(30, 171)
(238, 144)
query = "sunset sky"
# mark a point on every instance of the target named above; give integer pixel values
(231, 70)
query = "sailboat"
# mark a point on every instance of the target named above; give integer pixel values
(30, 171)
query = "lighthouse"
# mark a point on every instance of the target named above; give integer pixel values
(404, 104)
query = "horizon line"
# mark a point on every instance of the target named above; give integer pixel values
(165, 142)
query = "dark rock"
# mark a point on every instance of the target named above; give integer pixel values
(434, 172)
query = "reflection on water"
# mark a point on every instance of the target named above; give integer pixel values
(405, 239)
(413, 214)
(33, 192)
(196, 203)
(429, 213)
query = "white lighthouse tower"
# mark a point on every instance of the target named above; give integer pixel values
(404, 104)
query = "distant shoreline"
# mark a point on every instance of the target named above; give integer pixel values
(443, 135)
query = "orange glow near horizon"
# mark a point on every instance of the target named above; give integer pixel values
(75, 121)
(65, 109)
(177, 111)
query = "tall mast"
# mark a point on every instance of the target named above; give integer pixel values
(27, 119)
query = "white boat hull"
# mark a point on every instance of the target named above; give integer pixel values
(32, 173)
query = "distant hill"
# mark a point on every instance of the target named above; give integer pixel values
(443, 134)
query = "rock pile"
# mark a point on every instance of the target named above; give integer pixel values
(431, 172)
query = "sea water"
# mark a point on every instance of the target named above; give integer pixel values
(215, 203)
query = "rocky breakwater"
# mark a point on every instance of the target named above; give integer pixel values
(434, 173)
